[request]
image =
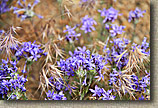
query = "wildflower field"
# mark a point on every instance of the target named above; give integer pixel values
(74, 49)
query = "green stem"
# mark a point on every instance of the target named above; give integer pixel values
(73, 46)
(89, 37)
(80, 88)
(102, 29)
(133, 36)
(90, 82)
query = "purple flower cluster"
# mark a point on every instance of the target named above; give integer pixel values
(10, 80)
(141, 98)
(136, 14)
(71, 33)
(143, 48)
(133, 82)
(55, 96)
(109, 14)
(87, 24)
(140, 84)
(83, 1)
(86, 1)
(30, 51)
(26, 10)
(4, 7)
(82, 60)
(97, 92)
(59, 85)
(6, 69)
(118, 46)
(1, 32)
(12, 85)
(100, 92)
(107, 96)
(116, 30)
(114, 77)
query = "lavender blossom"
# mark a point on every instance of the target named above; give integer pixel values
(107, 96)
(55, 96)
(11, 82)
(83, 1)
(136, 14)
(116, 30)
(4, 6)
(118, 46)
(107, 26)
(27, 10)
(82, 59)
(1, 32)
(132, 81)
(140, 84)
(87, 24)
(109, 14)
(141, 98)
(145, 46)
(59, 85)
(30, 51)
(99, 92)
(114, 77)
(71, 33)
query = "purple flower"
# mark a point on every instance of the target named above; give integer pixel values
(10, 80)
(107, 27)
(71, 33)
(113, 77)
(4, 6)
(1, 32)
(141, 98)
(141, 83)
(145, 46)
(82, 1)
(26, 9)
(59, 85)
(109, 14)
(107, 96)
(116, 30)
(118, 46)
(87, 24)
(13, 97)
(5, 61)
(136, 14)
(82, 59)
(116, 79)
(30, 51)
(55, 96)
(97, 91)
